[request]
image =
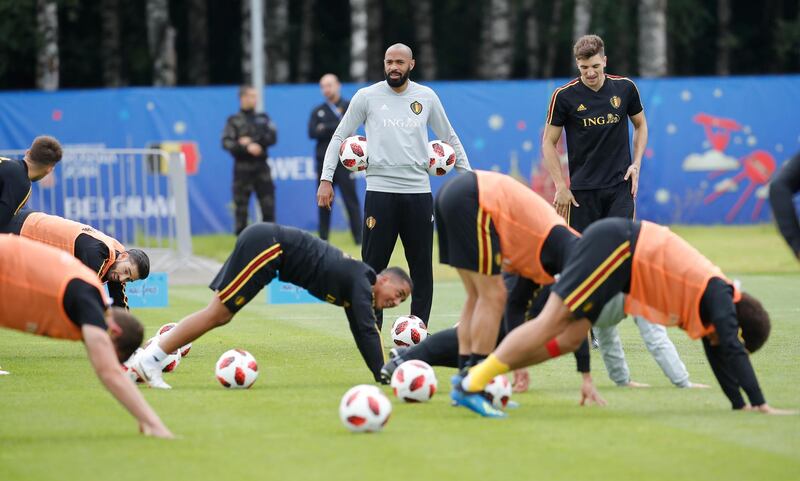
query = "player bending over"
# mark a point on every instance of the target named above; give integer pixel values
(665, 280)
(265, 251)
(101, 253)
(46, 292)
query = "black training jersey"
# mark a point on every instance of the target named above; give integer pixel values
(596, 126)
(328, 274)
(15, 188)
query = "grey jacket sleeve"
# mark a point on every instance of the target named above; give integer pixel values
(352, 119)
(440, 125)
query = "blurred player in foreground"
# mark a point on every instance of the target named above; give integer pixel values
(781, 192)
(46, 292)
(666, 281)
(266, 251)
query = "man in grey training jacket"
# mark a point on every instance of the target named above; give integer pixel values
(396, 114)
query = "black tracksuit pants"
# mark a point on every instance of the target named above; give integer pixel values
(410, 216)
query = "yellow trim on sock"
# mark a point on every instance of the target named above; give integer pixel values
(482, 374)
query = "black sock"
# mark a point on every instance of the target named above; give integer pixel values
(475, 359)
(463, 361)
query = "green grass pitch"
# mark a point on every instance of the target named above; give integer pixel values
(57, 422)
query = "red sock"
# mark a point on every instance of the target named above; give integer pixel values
(552, 348)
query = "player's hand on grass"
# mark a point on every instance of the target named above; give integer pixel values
(633, 174)
(589, 393)
(156, 430)
(767, 409)
(636, 384)
(522, 380)
(563, 200)
(254, 149)
(325, 194)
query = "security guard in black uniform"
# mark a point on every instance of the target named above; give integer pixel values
(246, 136)
(324, 120)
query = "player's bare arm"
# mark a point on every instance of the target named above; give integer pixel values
(563, 197)
(105, 363)
(639, 146)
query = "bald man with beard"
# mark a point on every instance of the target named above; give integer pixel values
(396, 114)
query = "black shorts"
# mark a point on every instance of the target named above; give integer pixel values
(467, 236)
(252, 265)
(596, 204)
(599, 267)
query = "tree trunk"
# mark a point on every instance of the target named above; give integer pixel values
(531, 37)
(501, 58)
(161, 40)
(305, 61)
(724, 43)
(247, 66)
(47, 56)
(426, 50)
(653, 38)
(582, 20)
(198, 42)
(358, 40)
(276, 33)
(375, 46)
(110, 43)
(552, 45)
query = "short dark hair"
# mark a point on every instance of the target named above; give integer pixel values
(244, 88)
(399, 274)
(131, 336)
(754, 322)
(588, 46)
(141, 261)
(45, 151)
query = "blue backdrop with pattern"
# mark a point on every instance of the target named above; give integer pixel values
(714, 142)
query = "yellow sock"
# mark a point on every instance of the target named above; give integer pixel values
(482, 374)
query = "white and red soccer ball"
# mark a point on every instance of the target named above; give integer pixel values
(408, 331)
(353, 153)
(499, 391)
(414, 381)
(170, 363)
(236, 369)
(364, 408)
(441, 157)
(168, 327)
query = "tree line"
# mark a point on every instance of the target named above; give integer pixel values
(51, 44)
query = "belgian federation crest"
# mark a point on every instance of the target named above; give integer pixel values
(371, 222)
(416, 107)
(616, 102)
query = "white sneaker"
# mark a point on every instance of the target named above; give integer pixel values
(151, 374)
(3, 373)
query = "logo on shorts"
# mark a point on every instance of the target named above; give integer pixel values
(239, 301)
(616, 102)
(498, 259)
(416, 107)
(329, 298)
(371, 222)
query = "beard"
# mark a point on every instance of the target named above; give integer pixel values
(396, 82)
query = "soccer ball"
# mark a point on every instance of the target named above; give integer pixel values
(128, 370)
(353, 153)
(364, 408)
(408, 330)
(414, 381)
(168, 327)
(237, 369)
(499, 391)
(442, 157)
(170, 363)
